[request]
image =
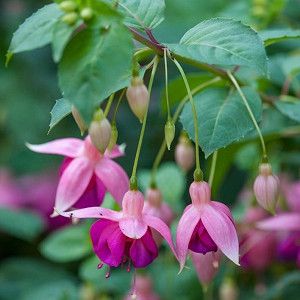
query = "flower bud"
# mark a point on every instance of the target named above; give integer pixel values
(70, 18)
(169, 133)
(138, 97)
(266, 188)
(68, 6)
(228, 290)
(86, 13)
(114, 137)
(100, 131)
(79, 121)
(185, 154)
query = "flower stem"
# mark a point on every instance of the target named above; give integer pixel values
(198, 172)
(133, 179)
(117, 106)
(237, 86)
(166, 83)
(109, 103)
(213, 168)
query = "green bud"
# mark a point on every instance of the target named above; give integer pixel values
(114, 137)
(68, 6)
(78, 119)
(86, 13)
(99, 115)
(70, 18)
(169, 133)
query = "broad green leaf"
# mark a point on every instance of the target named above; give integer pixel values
(291, 65)
(62, 33)
(36, 31)
(60, 110)
(223, 42)
(67, 244)
(143, 14)
(24, 225)
(272, 36)
(289, 106)
(222, 117)
(101, 66)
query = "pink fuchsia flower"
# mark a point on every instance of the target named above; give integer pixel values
(87, 169)
(206, 265)
(266, 188)
(289, 248)
(292, 193)
(125, 236)
(206, 226)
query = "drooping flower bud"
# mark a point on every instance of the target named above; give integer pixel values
(100, 131)
(185, 153)
(79, 121)
(266, 188)
(228, 290)
(68, 6)
(138, 97)
(70, 18)
(86, 13)
(114, 137)
(169, 133)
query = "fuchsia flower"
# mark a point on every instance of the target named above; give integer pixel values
(85, 172)
(206, 226)
(125, 236)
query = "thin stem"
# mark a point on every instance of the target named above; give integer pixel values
(166, 83)
(232, 78)
(109, 103)
(117, 106)
(195, 118)
(213, 168)
(139, 147)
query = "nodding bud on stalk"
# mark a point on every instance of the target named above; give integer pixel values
(70, 18)
(169, 133)
(138, 97)
(266, 188)
(79, 121)
(68, 6)
(100, 131)
(185, 153)
(86, 13)
(114, 137)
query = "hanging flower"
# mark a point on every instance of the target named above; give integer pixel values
(125, 236)
(206, 226)
(86, 173)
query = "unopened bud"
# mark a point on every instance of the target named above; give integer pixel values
(100, 131)
(185, 154)
(138, 97)
(79, 121)
(86, 13)
(68, 6)
(169, 133)
(70, 18)
(228, 290)
(154, 197)
(114, 137)
(266, 188)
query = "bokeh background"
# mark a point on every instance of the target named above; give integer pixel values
(42, 258)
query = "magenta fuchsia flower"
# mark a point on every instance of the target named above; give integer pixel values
(206, 226)
(125, 236)
(85, 172)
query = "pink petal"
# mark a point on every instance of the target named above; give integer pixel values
(284, 222)
(67, 147)
(185, 229)
(132, 227)
(92, 213)
(117, 151)
(222, 231)
(114, 178)
(222, 207)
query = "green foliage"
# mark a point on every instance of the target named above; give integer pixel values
(289, 106)
(60, 110)
(222, 117)
(278, 35)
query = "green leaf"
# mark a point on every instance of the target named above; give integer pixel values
(60, 110)
(289, 106)
(222, 117)
(272, 36)
(223, 42)
(21, 224)
(101, 66)
(143, 14)
(36, 31)
(67, 244)
(62, 33)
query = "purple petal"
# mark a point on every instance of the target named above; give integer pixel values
(67, 147)
(284, 222)
(113, 177)
(221, 229)
(143, 251)
(73, 183)
(185, 229)
(132, 227)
